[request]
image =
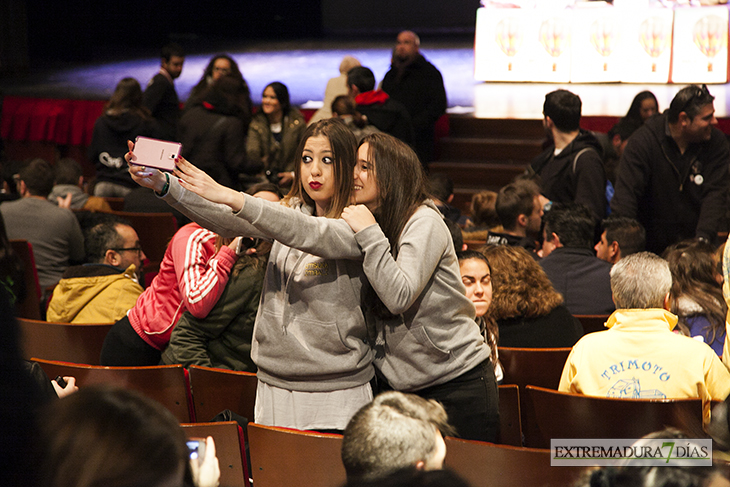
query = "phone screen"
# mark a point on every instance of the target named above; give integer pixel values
(196, 449)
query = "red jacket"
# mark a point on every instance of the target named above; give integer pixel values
(191, 278)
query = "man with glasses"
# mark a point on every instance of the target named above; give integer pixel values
(104, 289)
(673, 176)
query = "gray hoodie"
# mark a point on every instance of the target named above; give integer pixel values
(310, 333)
(434, 337)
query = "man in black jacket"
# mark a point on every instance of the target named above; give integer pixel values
(673, 176)
(571, 168)
(418, 85)
(160, 95)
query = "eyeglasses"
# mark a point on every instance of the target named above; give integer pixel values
(130, 249)
(698, 91)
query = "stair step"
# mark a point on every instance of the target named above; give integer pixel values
(469, 175)
(502, 149)
(468, 126)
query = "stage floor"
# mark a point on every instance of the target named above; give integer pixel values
(305, 66)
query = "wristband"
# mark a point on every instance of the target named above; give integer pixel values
(166, 186)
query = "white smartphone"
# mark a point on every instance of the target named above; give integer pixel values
(196, 448)
(160, 154)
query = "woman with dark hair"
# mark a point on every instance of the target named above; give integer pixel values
(274, 134)
(125, 117)
(310, 340)
(643, 107)
(219, 66)
(117, 438)
(213, 133)
(476, 275)
(696, 297)
(424, 334)
(526, 308)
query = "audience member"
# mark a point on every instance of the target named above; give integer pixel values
(614, 144)
(696, 296)
(418, 85)
(219, 66)
(335, 88)
(223, 338)
(620, 237)
(69, 184)
(344, 108)
(643, 107)
(639, 356)
(160, 96)
(19, 442)
(520, 211)
(484, 217)
(192, 277)
(673, 176)
(125, 117)
(571, 168)
(107, 286)
(53, 232)
(382, 111)
(393, 432)
(441, 190)
(526, 308)
(570, 264)
(8, 170)
(274, 135)
(476, 276)
(116, 438)
(213, 132)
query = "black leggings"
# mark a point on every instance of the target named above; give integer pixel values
(471, 401)
(124, 347)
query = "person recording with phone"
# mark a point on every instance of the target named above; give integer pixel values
(116, 437)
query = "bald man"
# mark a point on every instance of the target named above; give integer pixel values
(418, 85)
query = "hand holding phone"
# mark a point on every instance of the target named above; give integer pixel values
(196, 447)
(160, 154)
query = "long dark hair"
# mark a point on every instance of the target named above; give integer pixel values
(235, 73)
(401, 183)
(127, 96)
(693, 275)
(343, 145)
(634, 112)
(282, 94)
(487, 323)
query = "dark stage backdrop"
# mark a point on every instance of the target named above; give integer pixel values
(391, 16)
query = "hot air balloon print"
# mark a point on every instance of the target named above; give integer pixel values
(654, 36)
(554, 37)
(602, 38)
(509, 37)
(710, 36)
